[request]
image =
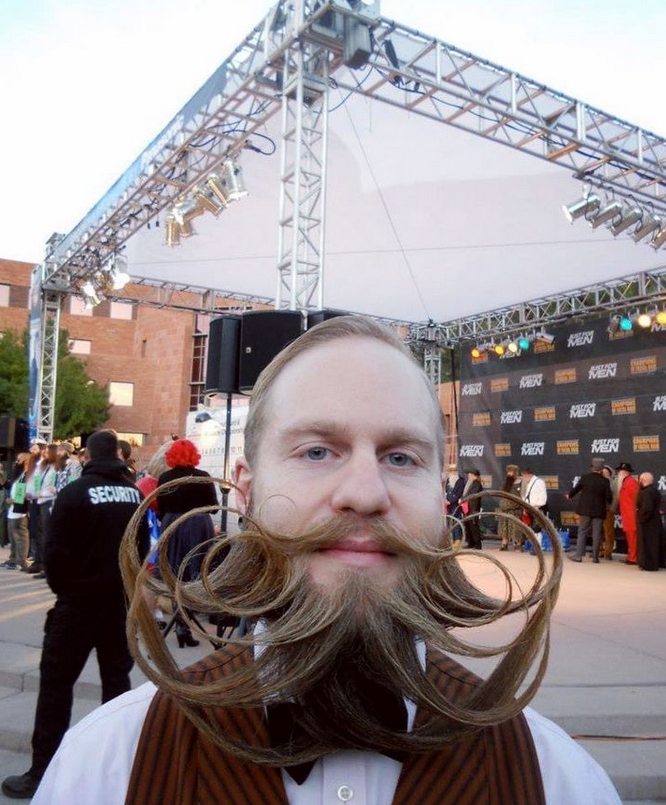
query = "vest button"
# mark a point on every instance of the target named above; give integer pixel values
(345, 793)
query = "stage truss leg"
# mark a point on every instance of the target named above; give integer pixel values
(48, 372)
(432, 363)
(303, 178)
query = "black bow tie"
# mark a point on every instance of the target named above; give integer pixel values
(285, 727)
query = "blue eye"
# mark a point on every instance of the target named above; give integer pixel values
(317, 453)
(400, 460)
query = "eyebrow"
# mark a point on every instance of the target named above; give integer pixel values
(327, 428)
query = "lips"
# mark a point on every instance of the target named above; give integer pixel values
(358, 552)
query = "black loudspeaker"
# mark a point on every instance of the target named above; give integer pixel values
(318, 316)
(223, 345)
(13, 432)
(263, 334)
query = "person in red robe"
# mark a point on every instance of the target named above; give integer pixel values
(628, 492)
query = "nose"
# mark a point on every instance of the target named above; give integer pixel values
(361, 487)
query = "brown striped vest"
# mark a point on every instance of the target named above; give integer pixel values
(176, 765)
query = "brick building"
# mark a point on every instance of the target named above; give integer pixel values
(152, 359)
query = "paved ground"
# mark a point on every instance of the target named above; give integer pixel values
(606, 674)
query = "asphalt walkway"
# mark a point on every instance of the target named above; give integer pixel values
(606, 676)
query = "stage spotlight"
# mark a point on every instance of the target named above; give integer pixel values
(117, 271)
(233, 176)
(172, 231)
(648, 226)
(524, 343)
(614, 323)
(207, 200)
(545, 337)
(606, 214)
(659, 239)
(513, 347)
(625, 324)
(476, 352)
(632, 216)
(586, 206)
(644, 320)
(185, 210)
(218, 188)
(661, 317)
(91, 295)
(499, 349)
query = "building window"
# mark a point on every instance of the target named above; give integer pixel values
(198, 374)
(4, 295)
(77, 307)
(135, 439)
(121, 393)
(79, 346)
(121, 310)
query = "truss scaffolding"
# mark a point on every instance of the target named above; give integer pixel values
(288, 62)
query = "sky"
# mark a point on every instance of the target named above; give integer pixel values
(86, 84)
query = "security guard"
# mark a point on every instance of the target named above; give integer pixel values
(81, 561)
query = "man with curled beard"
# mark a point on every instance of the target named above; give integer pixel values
(343, 691)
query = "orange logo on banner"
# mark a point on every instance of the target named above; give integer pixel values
(481, 420)
(543, 346)
(565, 376)
(551, 481)
(619, 334)
(646, 444)
(546, 414)
(568, 447)
(499, 384)
(502, 450)
(569, 518)
(626, 406)
(643, 366)
(487, 481)
(483, 358)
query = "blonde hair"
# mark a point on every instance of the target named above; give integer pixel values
(157, 462)
(330, 330)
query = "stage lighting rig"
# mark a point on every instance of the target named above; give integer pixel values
(585, 206)
(652, 223)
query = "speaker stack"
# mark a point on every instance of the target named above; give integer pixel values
(13, 433)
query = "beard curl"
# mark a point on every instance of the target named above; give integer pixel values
(317, 642)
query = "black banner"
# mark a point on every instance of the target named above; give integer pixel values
(589, 393)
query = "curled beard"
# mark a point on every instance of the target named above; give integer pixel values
(321, 647)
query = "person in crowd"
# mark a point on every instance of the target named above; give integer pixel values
(473, 486)
(455, 484)
(509, 532)
(628, 487)
(17, 516)
(32, 493)
(595, 496)
(345, 691)
(45, 485)
(81, 559)
(183, 457)
(651, 549)
(147, 482)
(68, 467)
(125, 455)
(606, 550)
(533, 491)
(4, 492)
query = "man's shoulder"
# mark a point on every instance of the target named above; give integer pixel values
(570, 775)
(105, 739)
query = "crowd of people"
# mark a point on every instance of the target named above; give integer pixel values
(599, 495)
(66, 513)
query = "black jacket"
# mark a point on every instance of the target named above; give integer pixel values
(475, 505)
(595, 495)
(87, 524)
(186, 497)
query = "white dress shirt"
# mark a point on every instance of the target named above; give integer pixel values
(94, 763)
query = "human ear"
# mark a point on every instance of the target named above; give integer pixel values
(242, 478)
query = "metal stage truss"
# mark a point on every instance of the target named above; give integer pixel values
(289, 62)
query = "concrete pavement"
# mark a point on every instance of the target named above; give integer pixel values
(606, 676)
